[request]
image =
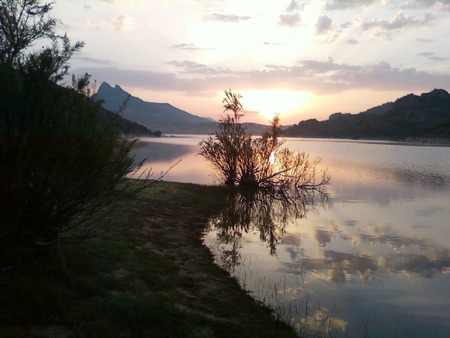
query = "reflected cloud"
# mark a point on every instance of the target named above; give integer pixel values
(321, 323)
(418, 256)
(336, 267)
(386, 235)
(323, 237)
(425, 266)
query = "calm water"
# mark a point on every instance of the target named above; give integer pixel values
(371, 261)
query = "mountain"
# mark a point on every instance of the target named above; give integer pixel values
(155, 116)
(409, 117)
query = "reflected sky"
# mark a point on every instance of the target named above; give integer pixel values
(373, 261)
(179, 154)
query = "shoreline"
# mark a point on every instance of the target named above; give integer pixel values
(159, 280)
(406, 142)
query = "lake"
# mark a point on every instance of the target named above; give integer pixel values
(371, 260)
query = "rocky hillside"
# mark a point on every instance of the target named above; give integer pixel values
(410, 117)
(154, 116)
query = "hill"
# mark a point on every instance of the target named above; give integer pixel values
(155, 116)
(130, 128)
(410, 117)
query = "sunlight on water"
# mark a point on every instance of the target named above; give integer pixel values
(372, 261)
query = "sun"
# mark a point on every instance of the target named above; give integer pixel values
(275, 101)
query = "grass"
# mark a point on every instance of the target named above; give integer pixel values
(158, 280)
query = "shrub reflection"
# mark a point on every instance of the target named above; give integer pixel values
(266, 211)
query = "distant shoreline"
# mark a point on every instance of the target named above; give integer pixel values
(426, 142)
(435, 142)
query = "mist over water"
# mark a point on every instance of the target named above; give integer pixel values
(372, 261)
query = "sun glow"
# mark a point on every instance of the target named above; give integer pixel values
(267, 103)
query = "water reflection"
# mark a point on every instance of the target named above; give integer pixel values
(330, 275)
(381, 249)
(263, 212)
(178, 154)
(160, 152)
(372, 261)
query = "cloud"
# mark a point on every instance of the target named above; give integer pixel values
(345, 4)
(401, 20)
(227, 18)
(91, 60)
(326, 77)
(442, 5)
(324, 24)
(291, 17)
(199, 68)
(352, 42)
(294, 7)
(432, 56)
(410, 4)
(189, 46)
(424, 40)
(122, 23)
(290, 20)
(267, 43)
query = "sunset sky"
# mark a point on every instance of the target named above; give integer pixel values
(302, 59)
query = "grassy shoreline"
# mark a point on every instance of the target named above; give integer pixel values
(159, 280)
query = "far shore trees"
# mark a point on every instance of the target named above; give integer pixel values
(240, 159)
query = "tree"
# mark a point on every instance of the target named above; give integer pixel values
(238, 158)
(22, 23)
(61, 160)
(225, 149)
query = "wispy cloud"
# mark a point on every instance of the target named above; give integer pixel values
(227, 18)
(399, 21)
(91, 60)
(267, 43)
(432, 56)
(409, 4)
(122, 23)
(199, 68)
(345, 4)
(443, 5)
(189, 46)
(424, 40)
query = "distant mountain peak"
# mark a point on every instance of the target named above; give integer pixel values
(156, 116)
(105, 86)
(117, 87)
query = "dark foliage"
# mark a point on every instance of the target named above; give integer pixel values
(59, 161)
(128, 127)
(238, 158)
(410, 117)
